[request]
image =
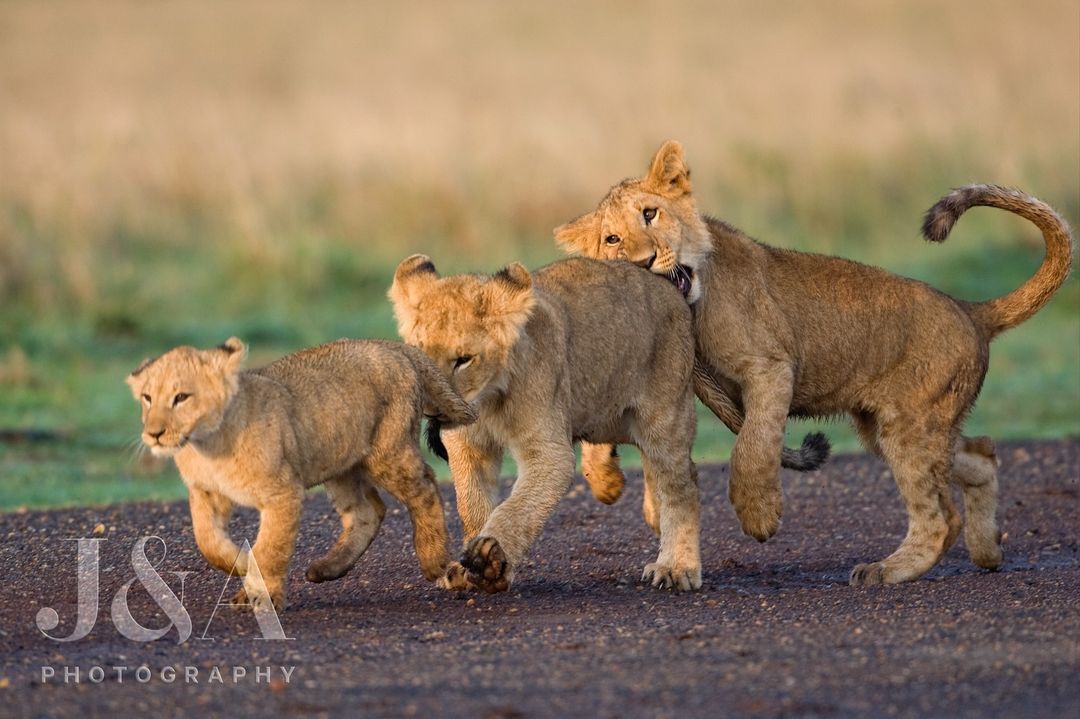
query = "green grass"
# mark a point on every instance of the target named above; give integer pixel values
(64, 363)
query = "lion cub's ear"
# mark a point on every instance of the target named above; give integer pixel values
(580, 235)
(231, 354)
(507, 302)
(135, 380)
(668, 174)
(412, 279)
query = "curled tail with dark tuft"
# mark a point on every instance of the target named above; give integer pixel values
(452, 409)
(815, 448)
(999, 314)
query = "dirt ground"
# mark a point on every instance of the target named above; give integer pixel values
(775, 631)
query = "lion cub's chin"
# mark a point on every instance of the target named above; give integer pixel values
(160, 450)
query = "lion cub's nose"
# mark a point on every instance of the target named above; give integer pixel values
(157, 434)
(647, 264)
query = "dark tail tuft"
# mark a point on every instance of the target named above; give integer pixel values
(434, 440)
(813, 453)
(939, 219)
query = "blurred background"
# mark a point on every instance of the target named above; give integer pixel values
(179, 172)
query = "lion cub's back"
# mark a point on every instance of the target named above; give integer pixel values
(343, 363)
(622, 318)
(347, 383)
(622, 293)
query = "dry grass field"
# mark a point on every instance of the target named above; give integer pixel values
(175, 172)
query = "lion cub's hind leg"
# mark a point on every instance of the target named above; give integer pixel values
(921, 462)
(867, 428)
(412, 482)
(673, 504)
(362, 511)
(650, 505)
(678, 565)
(975, 470)
(600, 465)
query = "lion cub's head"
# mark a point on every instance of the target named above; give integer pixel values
(651, 221)
(467, 324)
(184, 393)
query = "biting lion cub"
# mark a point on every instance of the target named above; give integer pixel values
(795, 334)
(577, 350)
(345, 414)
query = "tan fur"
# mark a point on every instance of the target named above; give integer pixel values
(789, 333)
(576, 350)
(346, 414)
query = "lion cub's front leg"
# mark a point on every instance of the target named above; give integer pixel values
(210, 513)
(754, 488)
(279, 522)
(491, 557)
(600, 465)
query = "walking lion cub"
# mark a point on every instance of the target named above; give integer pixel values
(345, 414)
(795, 334)
(577, 350)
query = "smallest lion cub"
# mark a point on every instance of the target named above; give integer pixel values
(345, 414)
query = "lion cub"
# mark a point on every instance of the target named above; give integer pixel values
(795, 334)
(580, 349)
(346, 414)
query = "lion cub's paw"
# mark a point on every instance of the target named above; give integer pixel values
(874, 574)
(324, 571)
(986, 553)
(258, 601)
(606, 484)
(600, 465)
(455, 578)
(760, 519)
(486, 565)
(662, 576)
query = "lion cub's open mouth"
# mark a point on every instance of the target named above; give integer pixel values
(682, 276)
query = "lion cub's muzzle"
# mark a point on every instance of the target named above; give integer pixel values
(158, 444)
(682, 276)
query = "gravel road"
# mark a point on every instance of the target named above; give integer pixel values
(775, 631)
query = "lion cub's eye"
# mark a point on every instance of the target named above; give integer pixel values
(146, 398)
(613, 239)
(649, 213)
(462, 361)
(180, 397)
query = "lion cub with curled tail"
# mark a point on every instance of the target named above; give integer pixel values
(580, 349)
(345, 414)
(795, 334)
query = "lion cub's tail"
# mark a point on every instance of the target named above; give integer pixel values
(452, 408)
(1002, 313)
